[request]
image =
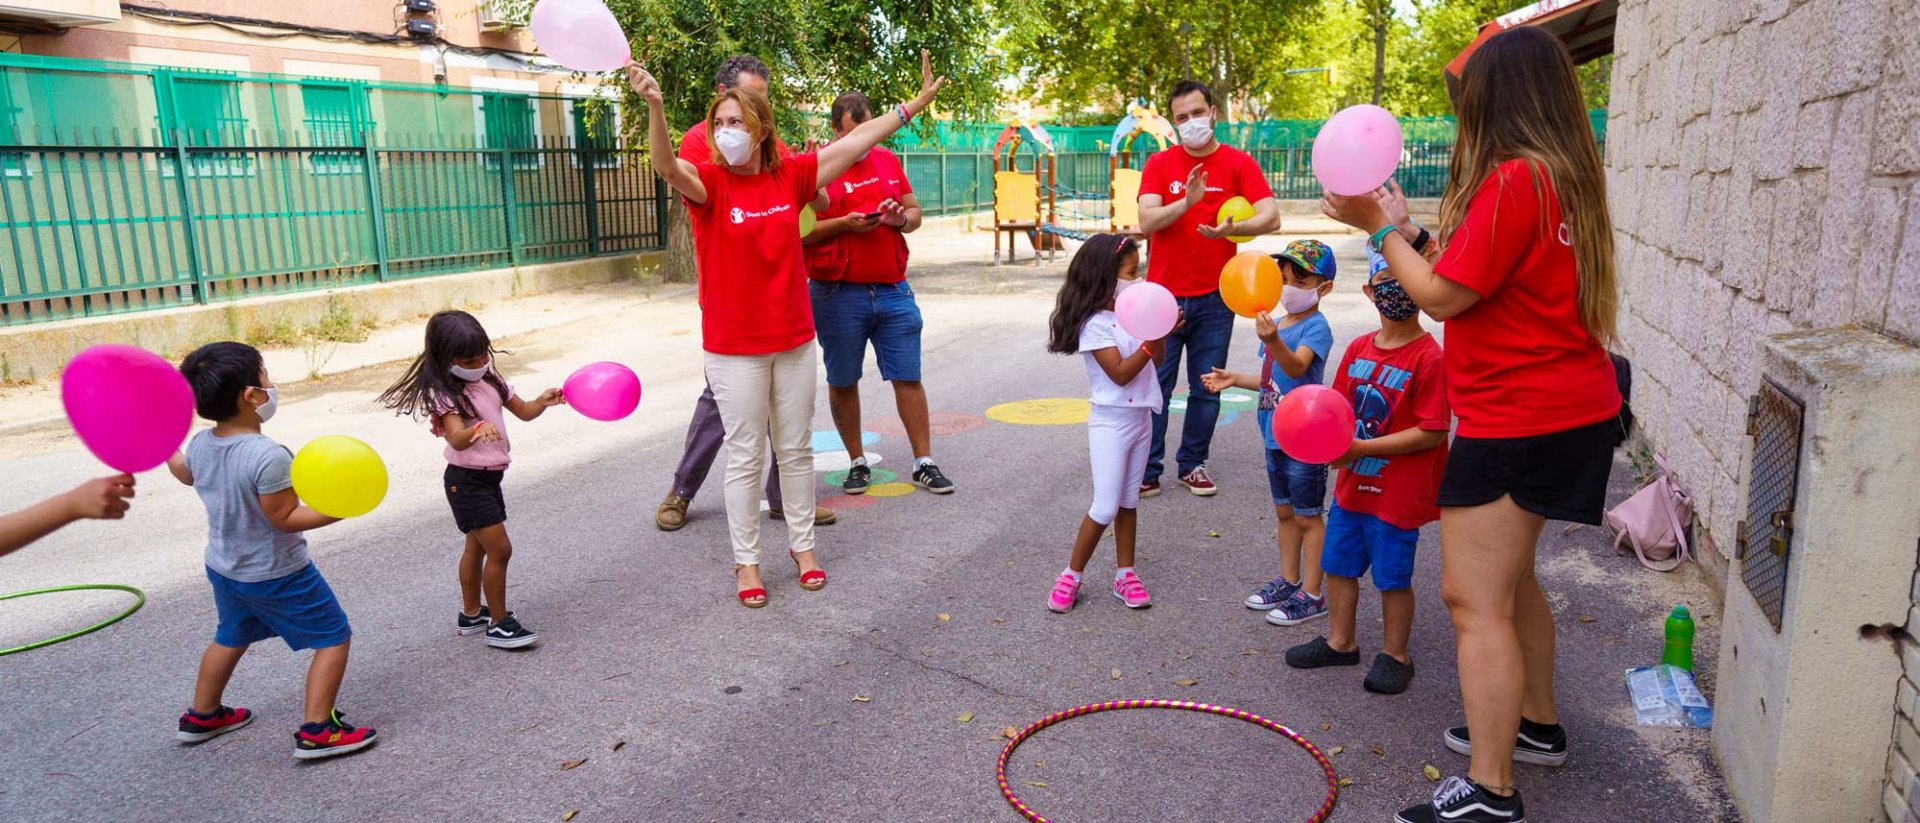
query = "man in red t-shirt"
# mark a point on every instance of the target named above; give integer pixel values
(705, 432)
(857, 260)
(1181, 191)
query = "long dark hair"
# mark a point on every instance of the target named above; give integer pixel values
(1519, 98)
(1088, 288)
(429, 383)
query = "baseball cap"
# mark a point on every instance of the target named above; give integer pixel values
(1312, 256)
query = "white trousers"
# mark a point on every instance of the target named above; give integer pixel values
(753, 391)
(1117, 441)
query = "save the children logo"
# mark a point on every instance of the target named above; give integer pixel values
(740, 215)
(1179, 186)
(852, 186)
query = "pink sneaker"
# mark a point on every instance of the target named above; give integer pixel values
(1066, 591)
(1132, 592)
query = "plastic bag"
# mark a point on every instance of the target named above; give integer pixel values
(1664, 695)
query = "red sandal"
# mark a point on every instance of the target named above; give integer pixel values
(753, 598)
(812, 581)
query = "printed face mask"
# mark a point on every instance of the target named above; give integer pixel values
(735, 145)
(1296, 300)
(1196, 132)
(1392, 300)
(471, 375)
(266, 410)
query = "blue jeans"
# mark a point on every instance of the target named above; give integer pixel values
(1207, 335)
(848, 315)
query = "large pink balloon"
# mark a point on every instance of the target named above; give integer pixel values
(580, 34)
(1313, 424)
(1357, 150)
(1146, 310)
(131, 408)
(603, 391)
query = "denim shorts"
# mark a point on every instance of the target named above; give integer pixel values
(849, 315)
(299, 608)
(1300, 485)
(1356, 542)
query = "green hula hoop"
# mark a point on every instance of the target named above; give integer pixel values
(141, 601)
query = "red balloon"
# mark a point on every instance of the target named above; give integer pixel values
(1313, 424)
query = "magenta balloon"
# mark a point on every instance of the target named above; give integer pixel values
(1146, 310)
(131, 408)
(580, 34)
(603, 391)
(1357, 150)
(1313, 424)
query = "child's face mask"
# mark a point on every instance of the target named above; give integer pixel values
(266, 410)
(471, 375)
(1392, 300)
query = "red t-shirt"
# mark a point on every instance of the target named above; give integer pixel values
(1520, 362)
(753, 282)
(1182, 259)
(879, 256)
(697, 148)
(1394, 390)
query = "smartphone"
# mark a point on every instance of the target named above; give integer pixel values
(870, 215)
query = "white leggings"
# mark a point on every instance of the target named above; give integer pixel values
(1117, 441)
(751, 392)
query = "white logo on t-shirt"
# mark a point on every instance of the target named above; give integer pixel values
(851, 186)
(740, 215)
(1180, 186)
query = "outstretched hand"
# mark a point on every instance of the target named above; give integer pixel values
(929, 85)
(102, 498)
(643, 84)
(551, 398)
(1227, 228)
(1217, 381)
(1196, 186)
(1361, 211)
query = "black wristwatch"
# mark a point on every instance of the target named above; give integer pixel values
(1420, 242)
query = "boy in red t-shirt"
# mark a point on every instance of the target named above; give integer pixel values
(1388, 486)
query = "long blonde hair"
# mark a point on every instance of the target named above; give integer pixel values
(756, 113)
(1520, 99)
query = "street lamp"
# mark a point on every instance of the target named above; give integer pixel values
(1186, 33)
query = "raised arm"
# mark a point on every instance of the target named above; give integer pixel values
(1156, 214)
(100, 499)
(1440, 298)
(679, 174)
(841, 154)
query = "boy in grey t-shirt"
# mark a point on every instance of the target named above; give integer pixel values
(263, 583)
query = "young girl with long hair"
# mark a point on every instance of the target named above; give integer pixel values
(1125, 394)
(455, 384)
(1524, 281)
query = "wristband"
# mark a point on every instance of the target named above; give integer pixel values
(901, 112)
(1379, 237)
(1420, 242)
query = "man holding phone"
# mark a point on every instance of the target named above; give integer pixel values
(857, 259)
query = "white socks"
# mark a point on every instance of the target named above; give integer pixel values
(1071, 573)
(1121, 572)
(860, 461)
(922, 461)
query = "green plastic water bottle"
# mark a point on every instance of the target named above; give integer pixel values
(1679, 651)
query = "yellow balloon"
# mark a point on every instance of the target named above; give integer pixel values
(1239, 210)
(807, 220)
(339, 476)
(1250, 283)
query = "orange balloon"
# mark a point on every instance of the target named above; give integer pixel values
(1250, 283)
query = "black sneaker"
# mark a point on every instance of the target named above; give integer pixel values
(1315, 654)
(1388, 676)
(509, 634)
(475, 624)
(1459, 800)
(858, 478)
(928, 477)
(1538, 744)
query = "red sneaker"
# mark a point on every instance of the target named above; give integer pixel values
(1198, 482)
(330, 739)
(1150, 488)
(195, 728)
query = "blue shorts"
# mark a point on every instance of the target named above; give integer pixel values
(1300, 485)
(848, 315)
(1356, 541)
(299, 608)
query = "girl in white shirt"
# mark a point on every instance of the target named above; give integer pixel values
(1125, 395)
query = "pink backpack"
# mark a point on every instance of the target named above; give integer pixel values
(1654, 521)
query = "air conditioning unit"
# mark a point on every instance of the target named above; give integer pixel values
(500, 15)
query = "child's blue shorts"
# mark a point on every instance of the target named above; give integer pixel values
(1300, 485)
(299, 608)
(1356, 541)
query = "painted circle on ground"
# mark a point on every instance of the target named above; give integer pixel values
(828, 441)
(1234, 399)
(1050, 411)
(890, 490)
(939, 424)
(837, 479)
(839, 460)
(846, 502)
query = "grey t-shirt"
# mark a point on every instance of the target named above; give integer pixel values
(230, 474)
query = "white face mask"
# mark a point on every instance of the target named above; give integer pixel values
(735, 145)
(1124, 285)
(1296, 300)
(266, 410)
(471, 375)
(1197, 132)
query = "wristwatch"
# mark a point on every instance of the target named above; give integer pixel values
(1379, 237)
(1420, 242)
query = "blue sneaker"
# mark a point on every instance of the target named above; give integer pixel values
(1299, 608)
(1272, 595)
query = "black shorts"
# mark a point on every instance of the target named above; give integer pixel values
(474, 495)
(1559, 476)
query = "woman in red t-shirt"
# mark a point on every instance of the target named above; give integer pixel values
(1525, 285)
(756, 319)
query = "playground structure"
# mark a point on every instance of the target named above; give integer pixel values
(1016, 194)
(1037, 204)
(1123, 184)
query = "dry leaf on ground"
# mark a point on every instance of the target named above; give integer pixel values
(861, 698)
(1009, 732)
(965, 717)
(1038, 784)
(1326, 727)
(1336, 750)
(1586, 618)
(619, 744)
(944, 617)
(1186, 681)
(1432, 773)
(568, 816)
(1115, 674)
(1380, 752)
(572, 763)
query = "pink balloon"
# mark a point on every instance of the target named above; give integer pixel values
(603, 391)
(1357, 150)
(580, 34)
(1313, 424)
(1146, 310)
(131, 408)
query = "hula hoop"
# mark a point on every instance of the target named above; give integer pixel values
(1320, 814)
(141, 600)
